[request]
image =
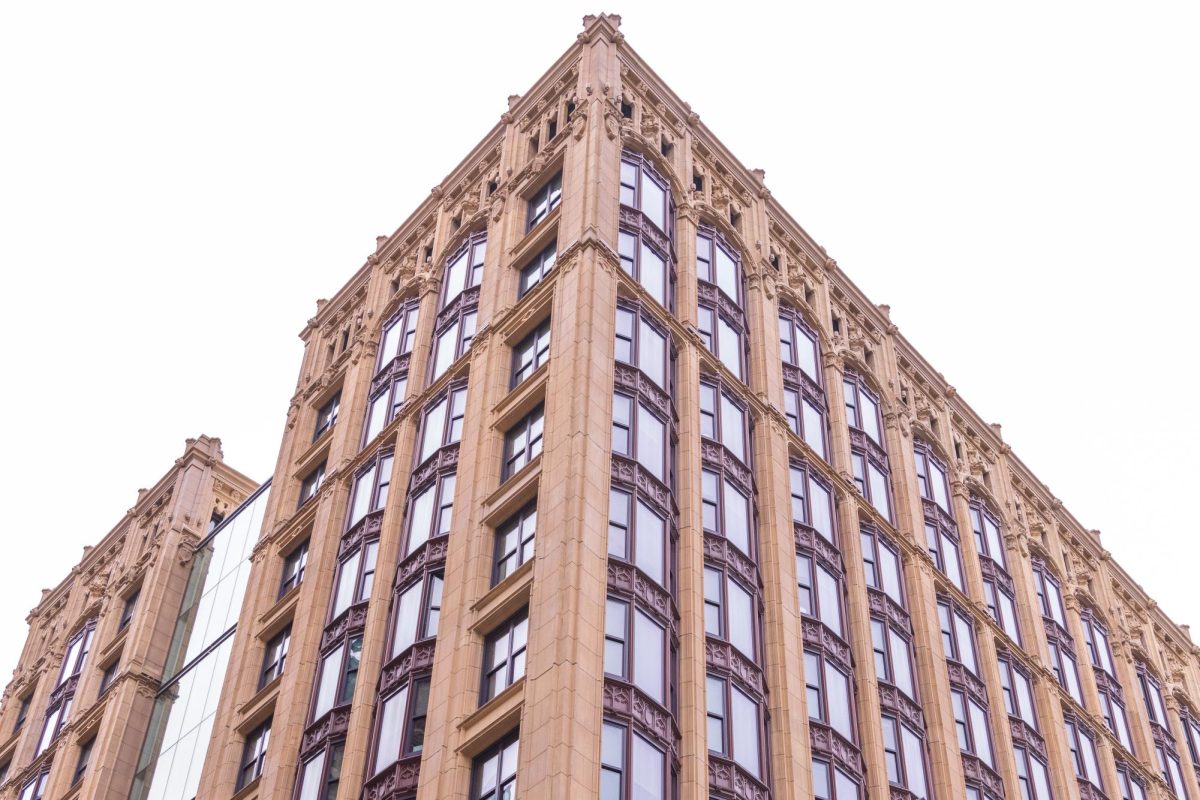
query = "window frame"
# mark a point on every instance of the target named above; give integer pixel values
(814, 568)
(1077, 733)
(640, 316)
(1005, 614)
(538, 352)
(311, 484)
(128, 609)
(365, 558)
(757, 768)
(517, 522)
(505, 780)
(805, 499)
(537, 264)
(816, 683)
(274, 656)
(529, 432)
(630, 527)
(723, 526)
(342, 678)
(711, 337)
(981, 515)
(832, 785)
(874, 568)
(718, 243)
(632, 247)
(451, 405)
(404, 320)
(884, 648)
(645, 170)
(950, 618)
(379, 467)
(464, 321)
(513, 633)
(633, 433)
(428, 611)
(254, 755)
(81, 761)
(474, 249)
(742, 439)
(387, 399)
(904, 761)
(331, 756)
(1026, 759)
(438, 509)
(327, 415)
(630, 673)
(968, 726)
(854, 411)
(1011, 672)
(548, 192)
(726, 580)
(414, 717)
(289, 579)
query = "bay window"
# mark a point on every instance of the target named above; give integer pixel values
(831, 782)
(77, 652)
(370, 488)
(453, 339)
(905, 757)
(1113, 711)
(523, 443)
(1156, 710)
(717, 264)
(726, 510)
(820, 592)
(387, 395)
(812, 501)
(355, 577)
(1002, 607)
(640, 434)
(530, 353)
(1049, 595)
(400, 730)
(1032, 775)
(988, 542)
(642, 188)
(641, 342)
(1083, 753)
(1018, 692)
(1131, 786)
(1170, 771)
(881, 562)
(971, 723)
(636, 649)
(1095, 636)
(399, 333)
(804, 402)
(730, 611)
(430, 512)
(893, 657)
(638, 535)
(416, 612)
(504, 655)
(943, 549)
(320, 774)
(931, 478)
(734, 724)
(35, 788)
(829, 693)
(337, 677)
(862, 408)
(958, 637)
(464, 268)
(723, 336)
(514, 542)
(642, 260)
(442, 424)
(631, 766)
(1066, 672)
(723, 420)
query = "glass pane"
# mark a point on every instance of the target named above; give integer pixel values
(647, 770)
(727, 277)
(362, 495)
(741, 618)
(390, 728)
(331, 668)
(654, 275)
(737, 517)
(408, 616)
(979, 732)
(649, 654)
(651, 443)
(830, 600)
(732, 428)
(914, 764)
(652, 354)
(651, 533)
(879, 491)
(347, 575)
(837, 689)
(822, 511)
(814, 429)
(745, 732)
(446, 344)
(654, 202)
(870, 417)
(422, 519)
(310, 780)
(729, 343)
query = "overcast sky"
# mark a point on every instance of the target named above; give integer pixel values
(180, 182)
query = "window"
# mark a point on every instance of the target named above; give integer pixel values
(464, 269)
(400, 729)
(274, 657)
(356, 574)
(23, 712)
(77, 652)
(958, 637)
(905, 757)
(1095, 636)
(723, 419)
(881, 562)
(970, 720)
(637, 534)
(722, 337)
(832, 783)
(829, 694)
(56, 718)
(1049, 595)
(635, 649)
(871, 480)
(643, 189)
(254, 755)
(862, 409)
(311, 484)
(1152, 696)
(1002, 607)
(1113, 711)
(645, 777)
(514, 542)
(537, 269)
(803, 396)
(544, 200)
(1018, 693)
(385, 405)
(1132, 787)
(523, 443)
(1032, 775)
(820, 592)
(370, 489)
(893, 657)
(1169, 770)
(641, 343)
(931, 478)
(1083, 753)
(398, 336)
(943, 549)
(293, 568)
(812, 502)
(319, 776)
(108, 676)
(494, 776)
(726, 510)
(640, 434)
(127, 610)
(35, 788)
(504, 655)
(717, 264)
(416, 613)
(337, 677)
(327, 415)
(729, 611)
(987, 534)
(431, 512)
(530, 353)
(453, 341)
(647, 265)
(1062, 662)
(443, 423)
(1191, 729)
(81, 763)
(734, 724)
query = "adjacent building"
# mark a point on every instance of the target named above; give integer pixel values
(601, 479)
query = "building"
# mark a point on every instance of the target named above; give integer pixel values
(660, 506)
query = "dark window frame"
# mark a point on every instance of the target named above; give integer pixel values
(453, 401)
(293, 576)
(710, 334)
(902, 757)
(949, 617)
(640, 315)
(729, 744)
(81, 761)
(981, 514)
(464, 321)
(874, 567)
(404, 321)
(715, 241)
(631, 245)
(387, 400)
(346, 680)
(1099, 652)
(831, 771)
(1014, 702)
(1025, 759)
(630, 533)
(128, 609)
(809, 390)
(645, 170)
(443, 485)
(366, 561)
(723, 527)
(885, 652)
(331, 756)
(549, 195)
(724, 609)
(414, 716)
(254, 755)
(311, 484)
(274, 656)
(1076, 732)
(327, 415)
(854, 410)
(429, 607)
(505, 780)
(806, 498)
(540, 265)
(517, 555)
(809, 572)
(745, 433)
(816, 683)
(474, 249)
(631, 608)
(513, 633)
(379, 467)
(1005, 615)
(965, 727)
(634, 451)
(529, 354)
(529, 433)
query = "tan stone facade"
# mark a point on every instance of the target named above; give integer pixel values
(688, 627)
(112, 620)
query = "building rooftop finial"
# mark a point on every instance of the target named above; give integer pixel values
(591, 19)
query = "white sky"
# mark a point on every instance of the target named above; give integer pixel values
(179, 184)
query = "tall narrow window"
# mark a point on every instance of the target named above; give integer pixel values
(530, 353)
(862, 409)
(370, 489)
(464, 269)
(829, 694)
(416, 612)
(970, 719)
(717, 264)
(730, 611)
(514, 542)
(81, 763)
(442, 423)
(985, 526)
(1018, 693)
(726, 510)
(881, 562)
(327, 416)
(1049, 595)
(1062, 664)
(400, 728)
(275, 656)
(254, 755)
(1131, 786)
(893, 657)
(399, 333)
(722, 337)
(1002, 607)
(311, 484)
(1083, 753)
(642, 343)
(504, 655)
(320, 774)
(537, 269)
(293, 568)
(904, 756)
(494, 776)
(636, 649)
(643, 261)
(803, 388)
(431, 512)
(453, 340)
(832, 782)
(812, 501)
(820, 592)
(639, 433)
(1032, 775)
(637, 534)
(523, 443)
(644, 190)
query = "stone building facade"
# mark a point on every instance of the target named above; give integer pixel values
(601, 479)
